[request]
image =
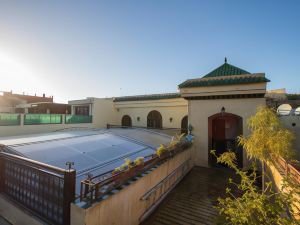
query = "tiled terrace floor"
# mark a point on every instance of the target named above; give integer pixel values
(3, 221)
(192, 201)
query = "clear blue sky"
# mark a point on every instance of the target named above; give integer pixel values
(76, 49)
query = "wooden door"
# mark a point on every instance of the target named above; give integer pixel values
(126, 121)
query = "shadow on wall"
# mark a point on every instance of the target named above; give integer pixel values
(290, 117)
(292, 122)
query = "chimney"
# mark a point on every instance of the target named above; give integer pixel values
(44, 95)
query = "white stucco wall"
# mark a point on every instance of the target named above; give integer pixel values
(169, 108)
(200, 110)
(293, 124)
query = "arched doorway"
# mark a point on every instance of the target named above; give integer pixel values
(184, 125)
(126, 121)
(223, 130)
(154, 120)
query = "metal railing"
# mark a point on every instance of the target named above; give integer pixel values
(289, 169)
(94, 188)
(169, 131)
(44, 190)
(9, 119)
(152, 128)
(157, 194)
(71, 119)
(35, 119)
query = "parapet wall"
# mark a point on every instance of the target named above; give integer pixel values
(275, 175)
(21, 129)
(292, 122)
(134, 202)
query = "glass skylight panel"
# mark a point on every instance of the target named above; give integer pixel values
(92, 151)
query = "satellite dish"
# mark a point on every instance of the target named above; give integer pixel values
(284, 110)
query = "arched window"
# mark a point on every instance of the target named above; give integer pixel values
(154, 119)
(184, 125)
(126, 121)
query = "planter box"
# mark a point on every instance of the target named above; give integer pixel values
(119, 178)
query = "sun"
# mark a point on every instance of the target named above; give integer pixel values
(15, 74)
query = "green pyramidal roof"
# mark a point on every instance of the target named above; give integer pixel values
(226, 70)
(225, 74)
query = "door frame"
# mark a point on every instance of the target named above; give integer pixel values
(211, 158)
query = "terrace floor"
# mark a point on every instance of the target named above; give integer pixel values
(192, 201)
(4, 221)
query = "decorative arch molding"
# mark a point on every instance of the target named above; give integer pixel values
(126, 121)
(154, 119)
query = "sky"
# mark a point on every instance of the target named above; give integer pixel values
(78, 49)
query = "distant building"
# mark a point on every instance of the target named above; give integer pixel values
(215, 106)
(18, 103)
(43, 108)
(9, 101)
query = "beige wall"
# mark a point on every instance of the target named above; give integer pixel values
(288, 122)
(200, 110)
(6, 109)
(126, 207)
(277, 178)
(175, 108)
(102, 109)
(224, 90)
(104, 112)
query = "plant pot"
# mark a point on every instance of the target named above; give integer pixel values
(138, 168)
(152, 161)
(165, 155)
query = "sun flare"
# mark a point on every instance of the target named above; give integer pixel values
(15, 74)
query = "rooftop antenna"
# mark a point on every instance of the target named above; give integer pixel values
(69, 165)
(225, 59)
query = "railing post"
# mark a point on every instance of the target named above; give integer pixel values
(2, 173)
(22, 119)
(69, 193)
(63, 118)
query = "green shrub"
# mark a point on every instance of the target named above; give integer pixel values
(160, 150)
(139, 161)
(267, 141)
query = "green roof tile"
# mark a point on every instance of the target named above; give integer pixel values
(223, 71)
(147, 97)
(221, 82)
(226, 70)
